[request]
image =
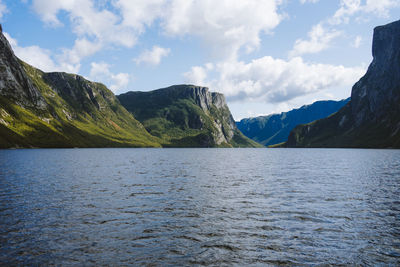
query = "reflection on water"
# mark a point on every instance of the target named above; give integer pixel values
(199, 206)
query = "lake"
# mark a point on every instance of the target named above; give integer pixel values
(199, 207)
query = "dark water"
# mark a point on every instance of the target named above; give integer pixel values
(199, 207)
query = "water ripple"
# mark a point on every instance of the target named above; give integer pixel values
(280, 207)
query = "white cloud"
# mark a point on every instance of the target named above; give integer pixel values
(380, 7)
(309, 1)
(225, 26)
(322, 35)
(70, 59)
(347, 9)
(87, 20)
(275, 80)
(319, 40)
(350, 8)
(121, 81)
(152, 57)
(357, 42)
(45, 60)
(198, 74)
(95, 27)
(140, 13)
(100, 71)
(3, 9)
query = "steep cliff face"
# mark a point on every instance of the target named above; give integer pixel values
(14, 83)
(40, 109)
(372, 117)
(378, 93)
(186, 115)
(275, 128)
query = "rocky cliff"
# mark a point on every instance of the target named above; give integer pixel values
(372, 117)
(40, 109)
(275, 128)
(14, 83)
(186, 115)
(57, 109)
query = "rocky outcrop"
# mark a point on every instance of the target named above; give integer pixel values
(57, 109)
(186, 115)
(14, 82)
(40, 109)
(275, 128)
(377, 94)
(79, 92)
(372, 117)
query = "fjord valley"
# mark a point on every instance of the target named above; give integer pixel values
(58, 109)
(371, 119)
(275, 128)
(107, 175)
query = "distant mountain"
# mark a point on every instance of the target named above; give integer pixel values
(372, 117)
(186, 116)
(275, 128)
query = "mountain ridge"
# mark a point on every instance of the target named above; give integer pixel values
(275, 128)
(372, 117)
(186, 115)
(58, 109)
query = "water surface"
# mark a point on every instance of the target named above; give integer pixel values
(199, 206)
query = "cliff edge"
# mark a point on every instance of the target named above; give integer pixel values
(372, 117)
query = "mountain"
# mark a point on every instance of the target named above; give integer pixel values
(57, 109)
(371, 119)
(186, 116)
(275, 128)
(40, 109)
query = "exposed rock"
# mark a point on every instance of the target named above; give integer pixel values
(40, 109)
(65, 110)
(378, 92)
(185, 114)
(74, 88)
(14, 82)
(372, 117)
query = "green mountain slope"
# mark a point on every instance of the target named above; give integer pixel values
(40, 109)
(275, 128)
(372, 117)
(186, 116)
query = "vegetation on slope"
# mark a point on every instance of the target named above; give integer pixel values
(275, 129)
(89, 115)
(186, 116)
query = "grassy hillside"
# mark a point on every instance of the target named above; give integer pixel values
(79, 113)
(186, 116)
(333, 131)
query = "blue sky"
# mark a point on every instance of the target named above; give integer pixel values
(266, 56)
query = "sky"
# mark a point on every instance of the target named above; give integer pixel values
(265, 56)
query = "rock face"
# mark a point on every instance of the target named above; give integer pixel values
(275, 128)
(186, 115)
(14, 83)
(40, 109)
(377, 94)
(372, 117)
(58, 109)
